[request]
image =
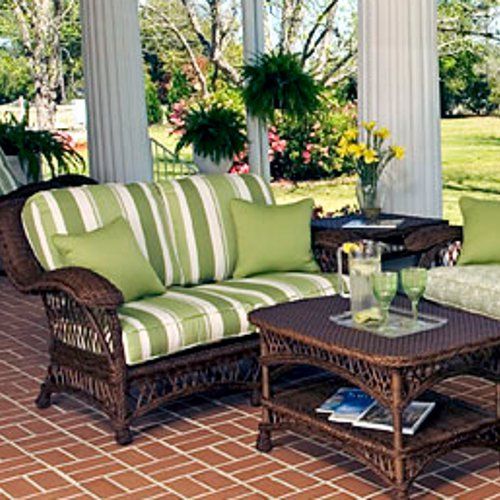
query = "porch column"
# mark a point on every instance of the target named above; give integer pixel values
(399, 88)
(253, 45)
(119, 148)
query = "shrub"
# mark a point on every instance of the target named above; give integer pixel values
(305, 149)
(153, 104)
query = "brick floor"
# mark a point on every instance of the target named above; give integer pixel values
(201, 447)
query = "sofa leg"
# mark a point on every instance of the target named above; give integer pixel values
(256, 397)
(43, 399)
(123, 436)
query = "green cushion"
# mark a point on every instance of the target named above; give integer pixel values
(273, 238)
(112, 252)
(481, 241)
(7, 181)
(198, 211)
(81, 209)
(185, 317)
(475, 288)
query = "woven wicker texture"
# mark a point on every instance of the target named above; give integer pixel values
(308, 321)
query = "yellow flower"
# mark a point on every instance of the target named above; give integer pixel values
(350, 247)
(383, 133)
(343, 142)
(398, 152)
(370, 156)
(369, 126)
(355, 150)
(351, 134)
(342, 151)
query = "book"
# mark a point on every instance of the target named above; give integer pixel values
(379, 417)
(379, 224)
(346, 405)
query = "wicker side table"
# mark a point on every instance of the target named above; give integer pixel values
(393, 371)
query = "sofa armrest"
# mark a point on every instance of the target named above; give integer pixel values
(84, 286)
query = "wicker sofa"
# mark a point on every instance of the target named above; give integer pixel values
(130, 358)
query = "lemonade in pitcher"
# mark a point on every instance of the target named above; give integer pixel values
(364, 260)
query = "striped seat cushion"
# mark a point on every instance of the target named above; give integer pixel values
(7, 181)
(80, 209)
(186, 317)
(198, 211)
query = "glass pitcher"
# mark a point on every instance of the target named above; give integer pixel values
(364, 259)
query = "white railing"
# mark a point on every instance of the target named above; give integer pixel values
(168, 165)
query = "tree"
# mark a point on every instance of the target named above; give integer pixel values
(469, 43)
(39, 26)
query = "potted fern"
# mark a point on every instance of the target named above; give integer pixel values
(25, 150)
(279, 81)
(216, 134)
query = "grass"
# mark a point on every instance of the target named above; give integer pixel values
(471, 166)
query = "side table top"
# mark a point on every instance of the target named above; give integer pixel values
(308, 321)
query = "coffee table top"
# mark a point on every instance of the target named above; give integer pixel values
(308, 321)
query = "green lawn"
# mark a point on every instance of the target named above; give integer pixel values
(471, 165)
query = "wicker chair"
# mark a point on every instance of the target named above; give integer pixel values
(86, 344)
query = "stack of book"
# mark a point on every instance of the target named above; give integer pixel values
(353, 406)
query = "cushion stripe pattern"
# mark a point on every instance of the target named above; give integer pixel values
(198, 212)
(186, 317)
(7, 181)
(82, 209)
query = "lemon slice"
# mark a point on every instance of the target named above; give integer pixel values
(371, 315)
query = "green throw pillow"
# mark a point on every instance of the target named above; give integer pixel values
(481, 240)
(273, 237)
(113, 252)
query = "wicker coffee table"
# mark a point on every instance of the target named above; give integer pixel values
(394, 371)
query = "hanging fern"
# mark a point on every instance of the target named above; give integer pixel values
(278, 81)
(216, 132)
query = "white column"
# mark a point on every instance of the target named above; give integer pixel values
(253, 45)
(118, 137)
(399, 88)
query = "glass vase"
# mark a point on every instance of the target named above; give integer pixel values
(368, 199)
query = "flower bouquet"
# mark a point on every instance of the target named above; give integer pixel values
(368, 158)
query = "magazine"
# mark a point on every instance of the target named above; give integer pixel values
(346, 405)
(379, 224)
(378, 417)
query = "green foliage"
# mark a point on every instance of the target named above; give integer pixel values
(309, 150)
(32, 146)
(15, 77)
(215, 131)
(153, 104)
(179, 87)
(278, 81)
(464, 86)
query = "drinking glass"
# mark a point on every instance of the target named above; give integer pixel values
(385, 286)
(414, 281)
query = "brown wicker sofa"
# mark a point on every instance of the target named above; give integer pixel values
(90, 326)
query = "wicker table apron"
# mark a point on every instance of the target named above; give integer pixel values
(394, 371)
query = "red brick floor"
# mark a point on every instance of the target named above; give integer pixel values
(200, 447)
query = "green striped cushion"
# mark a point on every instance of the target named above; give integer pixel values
(81, 209)
(7, 180)
(185, 317)
(198, 210)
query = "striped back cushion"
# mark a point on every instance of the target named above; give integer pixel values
(198, 211)
(7, 180)
(80, 209)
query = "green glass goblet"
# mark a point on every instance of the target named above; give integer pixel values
(414, 281)
(385, 286)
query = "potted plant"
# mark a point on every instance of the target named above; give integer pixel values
(278, 81)
(26, 149)
(368, 159)
(216, 134)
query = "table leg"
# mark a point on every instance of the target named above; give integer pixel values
(497, 386)
(264, 442)
(397, 415)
